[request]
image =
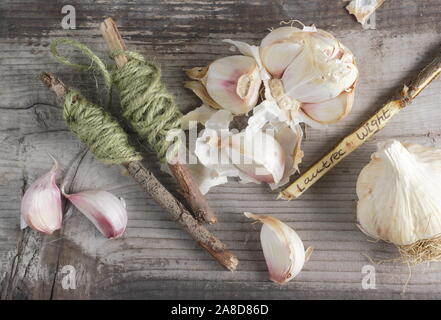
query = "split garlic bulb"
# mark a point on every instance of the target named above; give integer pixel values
(311, 71)
(399, 194)
(282, 247)
(230, 83)
(302, 75)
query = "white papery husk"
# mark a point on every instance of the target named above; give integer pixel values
(272, 149)
(399, 199)
(207, 169)
(282, 247)
(362, 9)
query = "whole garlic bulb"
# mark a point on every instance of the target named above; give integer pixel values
(230, 83)
(311, 71)
(399, 193)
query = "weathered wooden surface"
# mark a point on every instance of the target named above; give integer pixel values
(155, 259)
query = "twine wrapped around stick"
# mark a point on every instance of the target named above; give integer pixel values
(98, 130)
(147, 105)
(110, 143)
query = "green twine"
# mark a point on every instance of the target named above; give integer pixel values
(147, 105)
(97, 64)
(98, 130)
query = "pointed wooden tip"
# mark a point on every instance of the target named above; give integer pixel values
(54, 84)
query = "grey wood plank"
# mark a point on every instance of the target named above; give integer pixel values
(155, 259)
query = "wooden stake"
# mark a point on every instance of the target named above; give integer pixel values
(163, 197)
(366, 130)
(188, 187)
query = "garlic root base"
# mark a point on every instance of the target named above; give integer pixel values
(427, 250)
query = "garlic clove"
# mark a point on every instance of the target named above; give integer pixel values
(290, 140)
(107, 212)
(41, 204)
(311, 78)
(282, 34)
(288, 133)
(282, 248)
(398, 193)
(277, 57)
(233, 83)
(329, 111)
(258, 155)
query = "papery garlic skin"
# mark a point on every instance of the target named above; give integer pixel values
(362, 10)
(41, 204)
(230, 83)
(106, 211)
(282, 247)
(399, 193)
(309, 67)
(253, 155)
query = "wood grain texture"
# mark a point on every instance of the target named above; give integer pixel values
(155, 259)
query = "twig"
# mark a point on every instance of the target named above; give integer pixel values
(366, 130)
(188, 187)
(163, 197)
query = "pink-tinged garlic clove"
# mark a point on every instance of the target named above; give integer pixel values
(282, 248)
(231, 83)
(234, 82)
(41, 204)
(258, 155)
(330, 111)
(106, 211)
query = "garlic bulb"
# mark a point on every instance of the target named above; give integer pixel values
(312, 73)
(282, 247)
(103, 209)
(399, 193)
(41, 204)
(307, 76)
(230, 83)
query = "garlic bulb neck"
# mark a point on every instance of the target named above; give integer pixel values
(396, 157)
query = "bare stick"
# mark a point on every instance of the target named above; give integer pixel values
(163, 197)
(189, 188)
(366, 130)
